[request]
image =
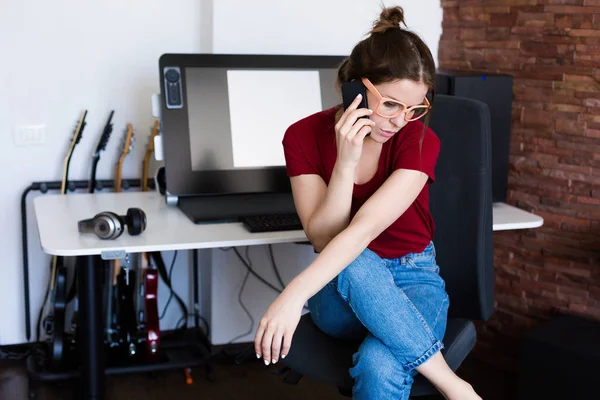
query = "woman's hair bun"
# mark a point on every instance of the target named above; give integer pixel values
(390, 18)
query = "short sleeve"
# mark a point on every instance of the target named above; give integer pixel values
(416, 154)
(298, 152)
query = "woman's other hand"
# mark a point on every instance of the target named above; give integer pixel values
(276, 328)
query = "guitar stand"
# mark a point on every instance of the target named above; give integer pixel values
(89, 360)
(179, 353)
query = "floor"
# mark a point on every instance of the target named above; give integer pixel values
(251, 380)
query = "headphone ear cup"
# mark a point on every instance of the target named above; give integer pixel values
(136, 221)
(108, 225)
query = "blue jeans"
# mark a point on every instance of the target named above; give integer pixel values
(397, 307)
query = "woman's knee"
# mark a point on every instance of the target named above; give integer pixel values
(376, 370)
(360, 272)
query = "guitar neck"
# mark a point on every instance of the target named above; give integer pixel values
(93, 176)
(65, 174)
(119, 177)
(145, 173)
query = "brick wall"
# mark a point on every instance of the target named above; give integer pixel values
(552, 48)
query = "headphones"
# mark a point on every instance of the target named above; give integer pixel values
(108, 225)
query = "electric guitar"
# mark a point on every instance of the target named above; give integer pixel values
(54, 323)
(124, 278)
(117, 317)
(100, 147)
(148, 313)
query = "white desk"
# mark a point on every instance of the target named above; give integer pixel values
(167, 229)
(507, 217)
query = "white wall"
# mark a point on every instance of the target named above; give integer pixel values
(312, 26)
(59, 58)
(63, 56)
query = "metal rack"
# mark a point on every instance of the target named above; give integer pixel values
(176, 352)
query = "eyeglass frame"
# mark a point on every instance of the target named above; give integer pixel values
(406, 109)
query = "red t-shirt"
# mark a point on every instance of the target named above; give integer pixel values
(309, 147)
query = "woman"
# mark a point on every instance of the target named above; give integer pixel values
(360, 186)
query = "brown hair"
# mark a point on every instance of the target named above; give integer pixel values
(390, 53)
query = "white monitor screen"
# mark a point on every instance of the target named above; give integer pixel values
(237, 117)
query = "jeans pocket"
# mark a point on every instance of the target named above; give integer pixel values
(423, 264)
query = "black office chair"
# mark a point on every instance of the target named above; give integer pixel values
(461, 204)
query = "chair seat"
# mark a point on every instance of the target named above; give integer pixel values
(327, 359)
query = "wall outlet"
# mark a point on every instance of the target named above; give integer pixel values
(30, 135)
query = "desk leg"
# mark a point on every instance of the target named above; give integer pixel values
(90, 315)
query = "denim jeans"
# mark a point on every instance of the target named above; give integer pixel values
(398, 309)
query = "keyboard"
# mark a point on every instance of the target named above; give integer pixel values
(272, 222)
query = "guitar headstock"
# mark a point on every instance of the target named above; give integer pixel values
(127, 141)
(149, 151)
(155, 132)
(105, 135)
(126, 147)
(78, 133)
(75, 139)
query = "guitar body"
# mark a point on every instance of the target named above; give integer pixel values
(54, 322)
(149, 327)
(151, 313)
(126, 313)
(56, 318)
(121, 329)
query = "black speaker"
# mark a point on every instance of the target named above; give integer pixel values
(496, 90)
(560, 359)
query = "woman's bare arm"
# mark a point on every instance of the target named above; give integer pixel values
(386, 205)
(324, 210)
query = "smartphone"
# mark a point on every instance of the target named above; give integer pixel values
(349, 92)
(352, 89)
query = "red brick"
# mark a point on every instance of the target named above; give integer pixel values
(583, 21)
(587, 59)
(538, 119)
(564, 21)
(497, 33)
(563, 2)
(515, 2)
(500, 44)
(571, 10)
(571, 127)
(584, 32)
(472, 33)
(503, 19)
(539, 49)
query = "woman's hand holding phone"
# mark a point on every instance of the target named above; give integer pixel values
(350, 132)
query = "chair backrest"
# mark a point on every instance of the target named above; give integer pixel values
(461, 205)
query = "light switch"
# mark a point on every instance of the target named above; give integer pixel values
(30, 135)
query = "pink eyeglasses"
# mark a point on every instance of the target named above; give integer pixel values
(390, 108)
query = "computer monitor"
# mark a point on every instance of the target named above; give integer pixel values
(223, 118)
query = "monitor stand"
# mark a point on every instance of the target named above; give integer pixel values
(226, 208)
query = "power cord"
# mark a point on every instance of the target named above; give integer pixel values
(164, 311)
(248, 264)
(274, 264)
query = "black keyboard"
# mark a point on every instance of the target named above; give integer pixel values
(272, 222)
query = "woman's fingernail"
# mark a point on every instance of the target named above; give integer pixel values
(266, 362)
(358, 95)
(274, 361)
(257, 355)
(282, 356)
